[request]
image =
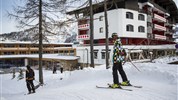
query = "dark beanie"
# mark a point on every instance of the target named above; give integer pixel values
(28, 66)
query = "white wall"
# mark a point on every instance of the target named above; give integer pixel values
(82, 52)
(117, 23)
(135, 22)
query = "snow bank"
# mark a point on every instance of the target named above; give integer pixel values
(167, 59)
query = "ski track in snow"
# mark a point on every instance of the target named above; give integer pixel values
(159, 82)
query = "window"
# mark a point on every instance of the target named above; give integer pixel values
(101, 30)
(22, 45)
(9, 45)
(103, 55)
(95, 55)
(141, 29)
(141, 17)
(129, 15)
(101, 18)
(130, 28)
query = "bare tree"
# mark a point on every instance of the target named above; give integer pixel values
(107, 32)
(40, 17)
(91, 34)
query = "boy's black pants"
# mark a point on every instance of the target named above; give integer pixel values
(30, 85)
(118, 67)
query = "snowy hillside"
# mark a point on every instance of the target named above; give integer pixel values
(65, 34)
(159, 81)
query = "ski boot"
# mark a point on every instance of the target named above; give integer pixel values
(125, 83)
(115, 86)
(29, 92)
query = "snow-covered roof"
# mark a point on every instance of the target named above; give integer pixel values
(45, 56)
(28, 42)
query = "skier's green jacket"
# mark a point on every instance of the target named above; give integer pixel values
(119, 53)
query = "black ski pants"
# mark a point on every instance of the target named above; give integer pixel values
(118, 67)
(61, 70)
(30, 85)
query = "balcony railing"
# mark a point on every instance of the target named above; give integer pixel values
(159, 27)
(149, 18)
(149, 29)
(169, 31)
(175, 36)
(150, 35)
(155, 16)
(83, 26)
(83, 37)
(160, 37)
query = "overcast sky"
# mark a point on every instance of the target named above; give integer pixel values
(7, 25)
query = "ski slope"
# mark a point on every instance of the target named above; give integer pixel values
(159, 81)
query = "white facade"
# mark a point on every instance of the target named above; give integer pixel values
(117, 23)
(84, 51)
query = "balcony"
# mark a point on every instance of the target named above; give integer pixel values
(83, 36)
(175, 36)
(168, 23)
(169, 31)
(160, 37)
(159, 18)
(149, 18)
(159, 27)
(150, 36)
(83, 27)
(149, 29)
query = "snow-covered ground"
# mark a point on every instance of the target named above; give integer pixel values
(159, 81)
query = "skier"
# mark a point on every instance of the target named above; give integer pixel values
(61, 68)
(119, 56)
(30, 76)
(13, 73)
(21, 74)
(54, 69)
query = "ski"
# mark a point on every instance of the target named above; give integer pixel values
(103, 87)
(37, 86)
(133, 86)
(28, 93)
(136, 86)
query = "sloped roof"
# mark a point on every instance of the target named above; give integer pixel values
(170, 4)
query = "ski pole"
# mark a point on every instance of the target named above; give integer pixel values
(135, 66)
(37, 81)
